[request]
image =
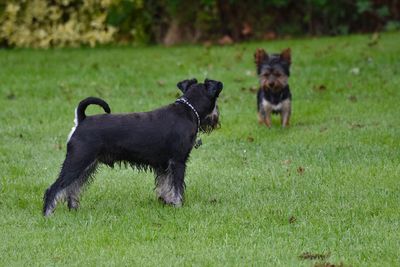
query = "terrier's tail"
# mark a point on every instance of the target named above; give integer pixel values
(80, 111)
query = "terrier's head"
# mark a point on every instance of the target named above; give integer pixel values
(273, 70)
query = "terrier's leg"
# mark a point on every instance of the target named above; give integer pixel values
(286, 112)
(268, 113)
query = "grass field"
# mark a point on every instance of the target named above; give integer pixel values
(326, 190)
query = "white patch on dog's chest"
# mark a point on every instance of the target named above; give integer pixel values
(268, 105)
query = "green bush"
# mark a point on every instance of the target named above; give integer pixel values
(41, 23)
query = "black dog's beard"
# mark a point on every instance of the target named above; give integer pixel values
(210, 123)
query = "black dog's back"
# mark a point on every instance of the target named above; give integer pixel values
(139, 139)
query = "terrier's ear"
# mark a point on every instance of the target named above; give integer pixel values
(286, 55)
(185, 84)
(259, 56)
(214, 88)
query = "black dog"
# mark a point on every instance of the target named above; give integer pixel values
(274, 95)
(159, 140)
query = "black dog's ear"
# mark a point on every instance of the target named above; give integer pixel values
(213, 87)
(185, 84)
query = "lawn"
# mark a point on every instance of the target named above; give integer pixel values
(325, 190)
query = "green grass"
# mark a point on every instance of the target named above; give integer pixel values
(327, 185)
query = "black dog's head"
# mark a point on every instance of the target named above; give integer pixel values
(273, 70)
(203, 97)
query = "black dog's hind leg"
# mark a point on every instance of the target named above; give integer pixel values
(75, 188)
(76, 163)
(170, 184)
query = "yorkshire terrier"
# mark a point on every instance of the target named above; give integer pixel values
(274, 94)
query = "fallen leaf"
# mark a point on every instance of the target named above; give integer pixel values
(213, 201)
(356, 125)
(95, 66)
(58, 146)
(239, 56)
(320, 88)
(314, 256)
(157, 225)
(225, 40)
(253, 89)
(353, 98)
(11, 96)
(271, 35)
(328, 264)
(247, 29)
(300, 170)
(207, 44)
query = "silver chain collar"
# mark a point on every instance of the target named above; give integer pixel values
(184, 101)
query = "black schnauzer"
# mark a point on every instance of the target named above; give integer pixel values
(274, 95)
(159, 140)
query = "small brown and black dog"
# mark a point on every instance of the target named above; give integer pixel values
(273, 95)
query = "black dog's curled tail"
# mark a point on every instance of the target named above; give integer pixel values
(80, 111)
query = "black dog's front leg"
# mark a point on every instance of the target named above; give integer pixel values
(170, 184)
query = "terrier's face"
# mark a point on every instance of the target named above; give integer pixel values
(204, 97)
(273, 70)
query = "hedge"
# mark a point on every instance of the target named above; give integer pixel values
(58, 23)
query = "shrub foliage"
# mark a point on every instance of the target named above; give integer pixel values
(41, 23)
